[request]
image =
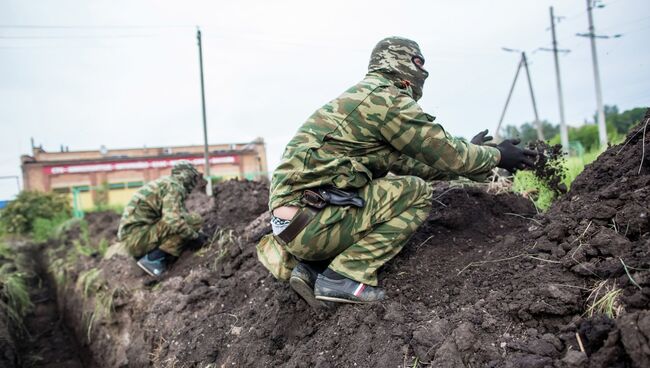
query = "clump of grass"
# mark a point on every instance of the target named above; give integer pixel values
(95, 288)
(528, 185)
(14, 292)
(576, 164)
(102, 247)
(90, 281)
(58, 269)
(219, 241)
(604, 299)
(103, 307)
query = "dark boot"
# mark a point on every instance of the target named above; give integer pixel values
(155, 262)
(302, 282)
(346, 290)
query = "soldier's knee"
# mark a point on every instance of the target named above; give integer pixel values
(195, 221)
(420, 190)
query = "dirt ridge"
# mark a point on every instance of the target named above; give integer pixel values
(484, 282)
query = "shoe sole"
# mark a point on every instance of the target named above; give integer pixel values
(145, 270)
(341, 300)
(306, 293)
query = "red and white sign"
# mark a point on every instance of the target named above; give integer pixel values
(134, 165)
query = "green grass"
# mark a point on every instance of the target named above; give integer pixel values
(14, 291)
(90, 281)
(527, 184)
(575, 165)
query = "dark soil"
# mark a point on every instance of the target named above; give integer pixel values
(485, 282)
(41, 340)
(48, 342)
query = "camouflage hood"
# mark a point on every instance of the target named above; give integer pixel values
(186, 174)
(393, 57)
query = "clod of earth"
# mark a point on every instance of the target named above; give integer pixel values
(550, 165)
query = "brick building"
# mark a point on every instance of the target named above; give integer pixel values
(111, 177)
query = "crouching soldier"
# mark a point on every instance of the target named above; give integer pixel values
(331, 197)
(155, 225)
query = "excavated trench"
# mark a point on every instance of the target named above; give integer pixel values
(485, 282)
(44, 339)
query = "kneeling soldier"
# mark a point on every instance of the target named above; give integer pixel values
(331, 196)
(155, 225)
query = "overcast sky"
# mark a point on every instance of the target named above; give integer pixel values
(125, 73)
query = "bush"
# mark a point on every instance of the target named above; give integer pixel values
(587, 135)
(47, 228)
(20, 216)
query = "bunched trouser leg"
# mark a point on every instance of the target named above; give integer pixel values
(173, 243)
(144, 239)
(363, 239)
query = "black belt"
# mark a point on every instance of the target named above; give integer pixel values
(315, 200)
(300, 221)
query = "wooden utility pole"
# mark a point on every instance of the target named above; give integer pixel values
(538, 125)
(503, 113)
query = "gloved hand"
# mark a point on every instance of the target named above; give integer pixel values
(202, 239)
(480, 139)
(513, 157)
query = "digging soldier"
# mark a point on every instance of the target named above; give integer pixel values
(155, 225)
(333, 203)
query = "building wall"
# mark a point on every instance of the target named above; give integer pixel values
(114, 175)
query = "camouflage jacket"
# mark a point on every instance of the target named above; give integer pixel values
(373, 128)
(159, 200)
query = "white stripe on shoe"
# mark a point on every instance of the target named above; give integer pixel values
(359, 289)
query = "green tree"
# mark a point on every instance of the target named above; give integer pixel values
(618, 124)
(625, 120)
(21, 214)
(527, 132)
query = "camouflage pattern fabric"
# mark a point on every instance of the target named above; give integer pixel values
(371, 129)
(354, 142)
(360, 240)
(143, 239)
(156, 216)
(393, 57)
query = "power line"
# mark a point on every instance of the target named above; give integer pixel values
(34, 26)
(77, 37)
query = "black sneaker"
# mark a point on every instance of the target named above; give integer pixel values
(302, 282)
(153, 266)
(346, 291)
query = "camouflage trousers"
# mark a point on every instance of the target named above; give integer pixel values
(143, 239)
(360, 240)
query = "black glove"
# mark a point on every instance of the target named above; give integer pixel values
(480, 139)
(513, 157)
(198, 242)
(202, 238)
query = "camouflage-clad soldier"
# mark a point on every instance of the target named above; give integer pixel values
(352, 143)
(155, 224)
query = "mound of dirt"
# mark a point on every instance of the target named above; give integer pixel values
(600, 230)
(239, 202)
(103, 225)
(485, 282)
